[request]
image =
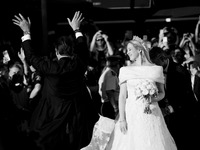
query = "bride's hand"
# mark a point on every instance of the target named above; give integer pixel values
(123, 126)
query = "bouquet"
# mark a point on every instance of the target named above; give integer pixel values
(145, 90)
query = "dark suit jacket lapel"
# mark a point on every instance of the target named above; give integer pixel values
(196, 88)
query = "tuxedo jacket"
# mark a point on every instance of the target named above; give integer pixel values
(196, 88)
(65, 113)
(178, 87)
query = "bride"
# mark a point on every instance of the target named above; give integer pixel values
(141, 125)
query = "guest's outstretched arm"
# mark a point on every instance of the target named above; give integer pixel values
(81, 48)
(196, 36)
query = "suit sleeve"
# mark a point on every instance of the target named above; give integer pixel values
(82, 50)
(38, 62)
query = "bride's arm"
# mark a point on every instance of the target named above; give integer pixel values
(161, 93)
(122, 103)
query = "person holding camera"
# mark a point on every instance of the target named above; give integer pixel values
(168, 39)
(179, 94)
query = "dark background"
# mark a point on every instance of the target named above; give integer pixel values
(113, 16)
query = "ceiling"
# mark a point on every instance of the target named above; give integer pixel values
(55, 12)
(101, 10)
(47, 14)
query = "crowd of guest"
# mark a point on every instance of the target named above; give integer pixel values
(21, 83)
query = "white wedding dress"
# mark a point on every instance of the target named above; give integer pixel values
(145, 131)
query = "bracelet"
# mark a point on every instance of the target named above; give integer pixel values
(77, 30)
(27, 32)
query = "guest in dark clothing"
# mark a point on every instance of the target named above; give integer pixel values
(195, 81)
(180, 97)
(14, 114)
(100, 48)
(64, 118)
(36, 83)
(7, 125)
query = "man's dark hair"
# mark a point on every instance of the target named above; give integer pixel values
(194, 64)
(171, 34)
(65, 45)
(113, 61)
(156, 52)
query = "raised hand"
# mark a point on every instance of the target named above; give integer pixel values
(23, 23)
(76, 21)
(97, 33)
(21, 54)
(105, 37)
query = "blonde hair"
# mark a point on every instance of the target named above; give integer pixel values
(139, 44)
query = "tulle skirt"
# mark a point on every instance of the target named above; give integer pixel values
(145, 131)
(101, 134)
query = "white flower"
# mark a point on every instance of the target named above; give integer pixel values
(152, 91)
(145, 88)
(149, 86)
(145, 91)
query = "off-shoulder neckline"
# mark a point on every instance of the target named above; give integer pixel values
(145, 66)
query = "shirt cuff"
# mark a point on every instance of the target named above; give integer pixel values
(26, 37)
(77, 34)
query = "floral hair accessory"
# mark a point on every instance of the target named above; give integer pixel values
(144, 90)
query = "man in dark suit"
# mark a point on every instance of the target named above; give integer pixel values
(194, 67)
(65, 116)
(179, 96)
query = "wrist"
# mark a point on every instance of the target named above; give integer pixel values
(26, 32)
(23, 61)
(121, 121)
(77, 30)
(115, 109)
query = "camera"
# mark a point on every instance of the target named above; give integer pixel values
(17, 79)
(16, 83)
(165, 40)
(6, 57)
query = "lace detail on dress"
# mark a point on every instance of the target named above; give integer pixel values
(101, 134)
